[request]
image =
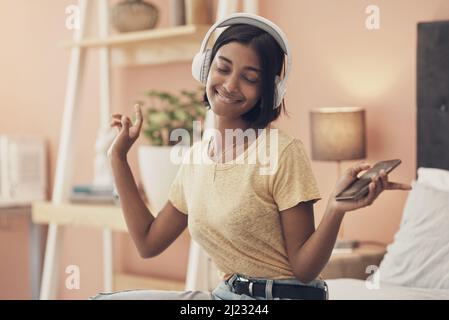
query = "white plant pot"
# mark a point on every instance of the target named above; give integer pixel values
(158, 170)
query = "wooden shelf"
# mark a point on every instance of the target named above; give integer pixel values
(85, 215)
(152, 47)
(172, 34)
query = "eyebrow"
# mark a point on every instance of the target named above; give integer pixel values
(247, 67)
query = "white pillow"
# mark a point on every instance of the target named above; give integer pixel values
(437, 178)
(419, 255)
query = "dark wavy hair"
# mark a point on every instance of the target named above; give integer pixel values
(271, 59)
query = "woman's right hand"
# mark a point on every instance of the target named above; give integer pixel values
(127, 133)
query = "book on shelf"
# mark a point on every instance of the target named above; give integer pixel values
(92, 189)
(93, 194)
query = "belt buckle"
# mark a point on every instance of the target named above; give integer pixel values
(241, 279)
(250, 284)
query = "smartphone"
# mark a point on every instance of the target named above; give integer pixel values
(359, 188)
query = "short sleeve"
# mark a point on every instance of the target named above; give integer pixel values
(294, 181)
(176, 193)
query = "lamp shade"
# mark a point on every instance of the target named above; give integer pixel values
(338, 134)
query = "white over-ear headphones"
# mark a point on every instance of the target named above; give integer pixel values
(202, 60)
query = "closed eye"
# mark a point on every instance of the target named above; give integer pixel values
(225, 71)
(252, 81)
(222, 70)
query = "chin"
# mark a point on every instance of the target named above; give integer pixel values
(222, 111)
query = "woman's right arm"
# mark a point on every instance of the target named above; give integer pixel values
(151, 235)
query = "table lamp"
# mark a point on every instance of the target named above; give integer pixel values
(338, 134)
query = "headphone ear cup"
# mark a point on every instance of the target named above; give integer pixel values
(279, 91)
(197, 64)
(201, 65)
(205, 66)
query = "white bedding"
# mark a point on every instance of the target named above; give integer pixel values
(352, 289)
(416, 265)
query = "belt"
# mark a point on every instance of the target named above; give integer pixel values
(282, 291)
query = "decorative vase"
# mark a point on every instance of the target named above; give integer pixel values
(177, 13)
(134, 15)
(158, 167)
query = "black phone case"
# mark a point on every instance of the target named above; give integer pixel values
(359, 188)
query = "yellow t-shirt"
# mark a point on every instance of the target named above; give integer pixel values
(234, 207)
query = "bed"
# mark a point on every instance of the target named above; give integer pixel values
(354, 289)
(416, 265)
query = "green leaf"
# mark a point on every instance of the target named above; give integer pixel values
(167, 111)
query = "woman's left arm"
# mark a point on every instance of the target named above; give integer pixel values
(308, 249)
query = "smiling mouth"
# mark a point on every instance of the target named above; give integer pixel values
(226, 99)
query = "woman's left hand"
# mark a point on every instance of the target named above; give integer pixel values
(378, 184)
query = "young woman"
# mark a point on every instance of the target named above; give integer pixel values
(258, 228)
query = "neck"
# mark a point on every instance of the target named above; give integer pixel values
(222, 124)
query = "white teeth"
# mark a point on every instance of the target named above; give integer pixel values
(225, 99)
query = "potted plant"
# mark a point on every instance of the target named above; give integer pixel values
(164, 113)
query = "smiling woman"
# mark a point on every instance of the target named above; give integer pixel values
(257, 227)
(245, 63)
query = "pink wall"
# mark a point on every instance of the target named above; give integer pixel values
(337, 62)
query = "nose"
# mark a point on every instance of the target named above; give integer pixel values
(231, 84)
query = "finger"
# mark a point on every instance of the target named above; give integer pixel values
(115, 122)
(379, 186)
(375, 183)
(116, 116)
(354, 171)
(118, 126)
(125, 124)
(139, 116)
(384, 179)
(350, 176)
(398, 186)
(369, 199)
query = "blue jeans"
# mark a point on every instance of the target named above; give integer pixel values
(222, 292)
